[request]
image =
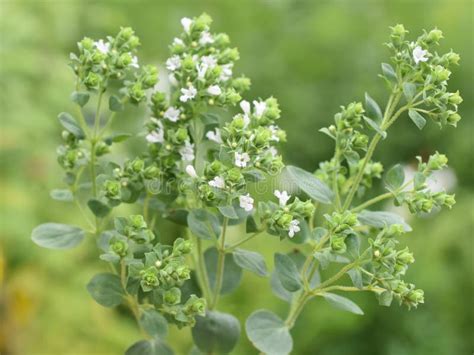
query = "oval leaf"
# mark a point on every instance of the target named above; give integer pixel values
(375, 127)
(381, 219)
(417, 119)
(80, 98)
(71, 125)
(287, 272)
(61, 195)
(98, 208)
(154, 323)
(268, 333)
(115, 104)
(389, 72)
(395, 177)
(372, 108)
(250, 260)
(409, 90)
(311, 185)
(106, 289)
(342, 303)
(228, 211)
(216, 332)
(149, 347)
(203, 224)
(57, 236)
(232, 272)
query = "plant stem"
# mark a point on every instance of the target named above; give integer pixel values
(372, 201)
(242, 241)
(349, 289)
(297, 308)
(202, 270)
(220, 265)
(336, 277)
(335, 186)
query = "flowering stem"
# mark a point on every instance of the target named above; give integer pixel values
(202, 272)
(297, 308)
(373, 201)
(220, 265)
(242, 241)
(334, 177)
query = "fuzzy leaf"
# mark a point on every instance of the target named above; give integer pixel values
(115, 104)
(154, 323)
(381, 219)
(80, 98)
(203, 224)
(98, 208)
(417, 119)
(372, 108)
(232, 272)
(342, 303)
(250, 260)
(71, 125)
(409, 90)
(57, 236)
(216, 332)
(395, 177)
(312, 186)
(61, 195)
(287, 272)
(149, 347)
(106, 289)
(375, 127)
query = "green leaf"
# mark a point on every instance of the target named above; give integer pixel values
(98, 208)
(80, 98)
(251, 225)
(203, 224)
(268, 333)
(409, 90)
(149, 347)
(375, 127)
(327, 132)
(57, 236)
(389, 72)
(417, 119)
(71, 125)
(232, 272)
(312, 186)
(228, 211)
(106, 289)
(117, 138)
(216, 332)
(115, 104)
(395, 177)
(385, 298)
(342, 303)
(381, 219)
(61, 195)
(154, 323)
(251, 261)
(373, 109)
(356, 277)
(287, 272)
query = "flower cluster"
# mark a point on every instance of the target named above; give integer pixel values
(71, 154)
(420, 198)
(388, 265)
(201, 74)
(426, 74)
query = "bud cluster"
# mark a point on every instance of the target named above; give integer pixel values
(340, 225)
(71, 154)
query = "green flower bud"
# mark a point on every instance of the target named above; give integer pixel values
(151, 172)
(276, 164)
(137, 165)
(188, 63)
(172, 296)
(451, 58)
(433, 36)
(238, 122)
(119, 247)
(449, 201)
(93, 80)
(101, 148)
(158, 100)
(181, 135)
(455, 98)
(437, 161)
(98, 57)
(338, 245)
(183, 272)
(182, 246)
(440, 73)
(234, 175)
(126, 33)
(137, 222)
(360, 141)
(134, 42)
(262, 137)
(86, 44)
(308, 209)
(136, 92)
(202, 22)
(232, 97)
(426, 205)
(405, 257)
(272, 111)
(207, 193)
(149, 279)
(241, 84)
(195, 306)
(221, 40)
(150, 76)
(112, 189)
(214, 168)
(284, 221)
(453, 118)
(229, 55)
(415, 297)
(124, 60)
(395, 230)
(281, 134)
(398, 31)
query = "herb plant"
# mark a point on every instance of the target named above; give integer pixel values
(196, 171)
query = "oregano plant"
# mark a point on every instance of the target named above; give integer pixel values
(204, 147)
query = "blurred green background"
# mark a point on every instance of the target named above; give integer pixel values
(313, 56)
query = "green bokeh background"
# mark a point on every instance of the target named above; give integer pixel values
(313, 56)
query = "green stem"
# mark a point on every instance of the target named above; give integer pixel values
(334, 178)
(337, 276)
(242, 241)
(220, 265)
(372, 201)
(202, 270)
(297, 308)
(349, 289)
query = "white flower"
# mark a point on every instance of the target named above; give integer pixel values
(186, 23)
(187, 152)
(241, 159)
(282, 196)
(246, 202)
(205, 38)
(214, 136)
(172, 113)
(191, 171)
(201, 70)
(178, 42)
(226, 73)
(134, 62)
(102, 46)
(294, 228)
(273, 151)
(217, 182)
(157, 136)
(173, 63)
(188, 94)
(274, 130)
(245, 106)
(420, 55)
(214, 90)
(173, 80)
(209, 60)
(260, 107)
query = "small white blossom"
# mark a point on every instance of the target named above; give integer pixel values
(274, 130)
(172, 113)
(178, 42)
(191, 171)
(226, 73)
(214, 90)
(420, 55)
(214, 136)
(188, 94)
(260, 107)
(273, 151)
(217, 182)
(158, 135)
(246, 202)
(201, 70)
(205, 38)
(186, 23)
(294, 228)
(241, 159)
(102, 46)
(187, 152)
(245, 106)
(282, 196)
(134, 62)
(173, 63)
(209, 60)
